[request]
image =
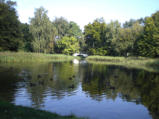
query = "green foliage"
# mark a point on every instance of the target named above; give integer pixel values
(112, 33)
(68, 45)
(10, 33)
(148, 44)
(43, 32)
(136, 37)
(68, 29)
(98, 51)
(62, 26)
(124, 42)
(129, 23)
(155, 18)
(95, 37)
(74, 30)
(27, 38)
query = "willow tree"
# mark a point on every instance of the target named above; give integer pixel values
(43, 32)
(62, 26)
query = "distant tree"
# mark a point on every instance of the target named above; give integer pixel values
(43, 32)
(94, 35)
(74, 30)
(62, 26)
(123, 43)
(10, 32)
(155, 18)
(141, 21)
(129, 23)
(27, 38)
(68, 29)
(112, 39)
(148, 44)
(68, 45)
(82, 44)
(112, 33)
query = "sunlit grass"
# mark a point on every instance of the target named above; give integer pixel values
(32, 57)
(151, 64)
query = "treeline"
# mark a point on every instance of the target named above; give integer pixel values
(40, 35)
(133, 38)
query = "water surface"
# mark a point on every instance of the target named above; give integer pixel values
(85, 90)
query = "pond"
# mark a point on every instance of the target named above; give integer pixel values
(82, 89)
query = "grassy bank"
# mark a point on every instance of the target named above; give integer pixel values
(10, 111)
(32, 57)
(150, 64)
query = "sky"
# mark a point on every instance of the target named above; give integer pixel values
(85, 11)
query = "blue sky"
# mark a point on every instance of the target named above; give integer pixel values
(84, 11)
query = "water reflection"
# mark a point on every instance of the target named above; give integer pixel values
(65, 88)
(8, 80)
(131, 85)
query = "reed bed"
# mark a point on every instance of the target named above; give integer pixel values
(151, 64)
(32, 57)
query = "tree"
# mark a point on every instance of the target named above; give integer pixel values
(123, 43)
(112, 33)
(27, 38)
(155, 18)
(43, 32)
(10, 32)
(74, 30)
(94, 35)
(62, 26)
(68, 29)
(67, 45)
(129, 23)
(148, 44)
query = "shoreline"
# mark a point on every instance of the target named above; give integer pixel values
(150, 64)
(33, 57)
(11, 111)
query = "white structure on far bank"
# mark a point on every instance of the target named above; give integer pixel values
(80, 54)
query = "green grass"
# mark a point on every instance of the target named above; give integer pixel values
(32, 57)
(10, 111)
(151, 64)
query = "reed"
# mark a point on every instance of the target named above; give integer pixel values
(32, 57)
(151, 64)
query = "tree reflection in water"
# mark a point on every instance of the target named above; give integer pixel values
(98, 82)
(130, 84)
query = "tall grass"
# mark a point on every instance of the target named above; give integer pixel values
(32, 57)
(133, 62)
